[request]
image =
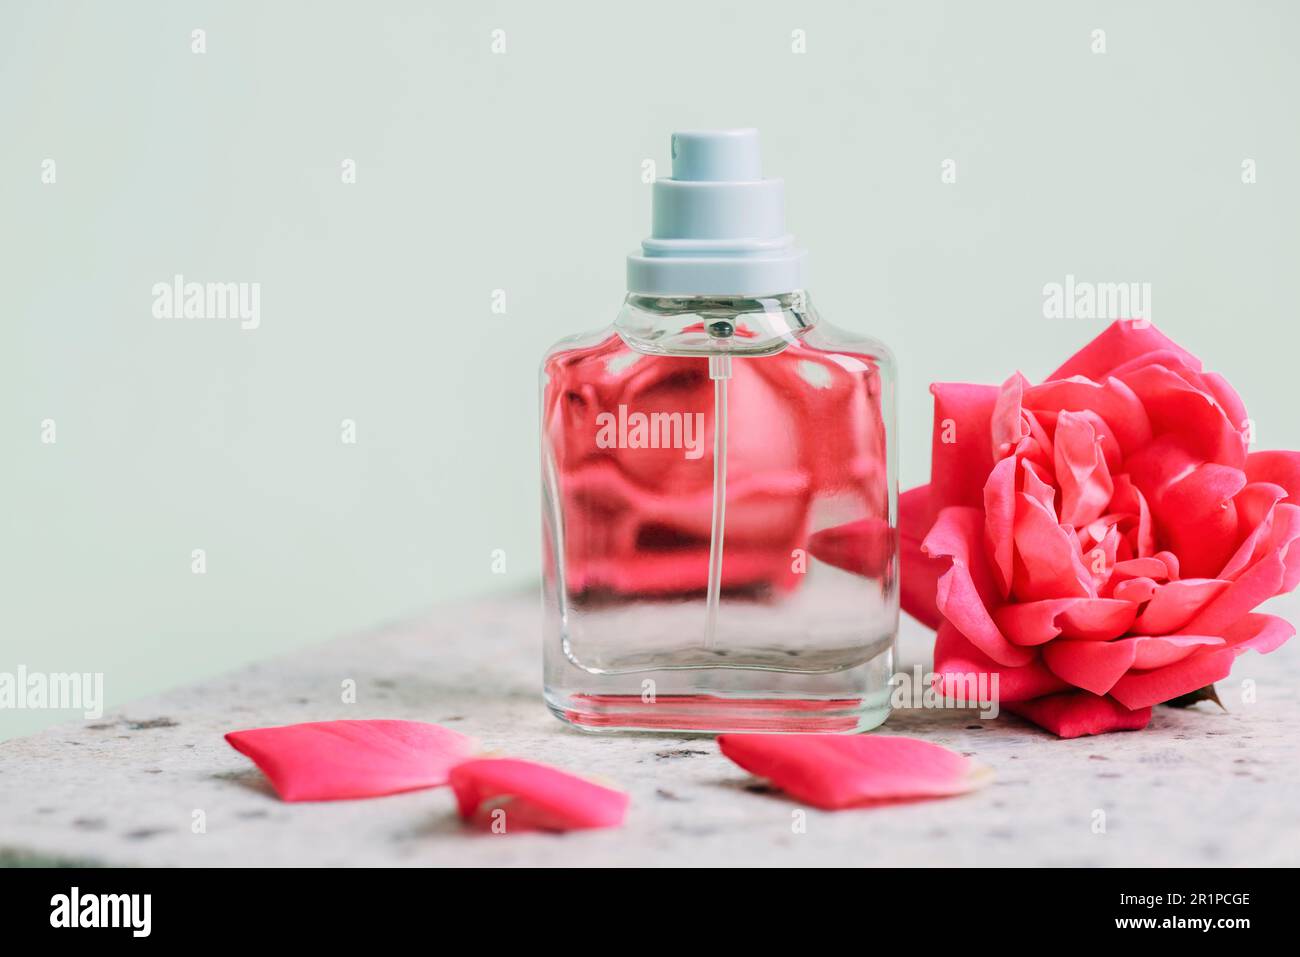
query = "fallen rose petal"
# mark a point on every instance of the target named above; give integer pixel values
(335, 760)
(842, 771)
(526, 796)
(1073, 714)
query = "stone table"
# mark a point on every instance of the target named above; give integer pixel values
(1200, 787)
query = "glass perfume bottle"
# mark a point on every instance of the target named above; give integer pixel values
(719, 482)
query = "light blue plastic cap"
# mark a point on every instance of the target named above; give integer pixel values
(718, 227)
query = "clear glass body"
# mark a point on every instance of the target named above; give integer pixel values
(719, 510)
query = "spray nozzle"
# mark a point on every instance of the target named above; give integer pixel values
(714, 156)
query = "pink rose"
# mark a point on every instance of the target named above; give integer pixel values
(1099, 540)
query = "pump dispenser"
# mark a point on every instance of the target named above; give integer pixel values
(718, 225)
(719, 481)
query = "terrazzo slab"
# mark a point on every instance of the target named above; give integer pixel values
(1201, 786)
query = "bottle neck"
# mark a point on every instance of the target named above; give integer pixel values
(714, 325)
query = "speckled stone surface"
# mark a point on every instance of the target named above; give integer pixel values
(1199, 787)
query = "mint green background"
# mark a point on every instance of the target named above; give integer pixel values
(522, 172)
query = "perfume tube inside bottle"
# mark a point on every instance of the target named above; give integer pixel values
(719, 372)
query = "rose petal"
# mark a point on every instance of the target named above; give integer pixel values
(1178, 407)
(1007, 424)
(1174, 604)
(1033, 622)
(1171, 360)
(842, 771)
(1036, 484)
(1135, 590)
(918, 572)
(1097, 619)
(1081, 471)
(1156, 651)
(1261, 582)
(1092, 665)
(1088, 619)
(1149, 567)
(1073, 714)
(1158, 465)
(1255, 506)
(1228, 399)
(1130, 501)
(524, 796)
(966, 589)
(1262, 633)
(1199, 518)
(960, 459)
(1140, 689)
(335, 760)
(1097, 666)
(1256, 632)
(999, 521)
(958, 665)
(1173, 573)
(1109, 399)
(1279, 467)
(1101, 558)
(1121, 342)
(1048, 562)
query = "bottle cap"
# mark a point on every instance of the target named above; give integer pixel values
(718, 227)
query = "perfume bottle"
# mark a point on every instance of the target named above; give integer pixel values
(719, 481)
